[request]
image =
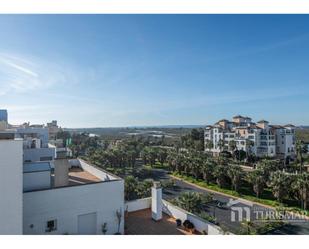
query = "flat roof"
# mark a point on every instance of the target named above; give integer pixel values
(78, 176)
(36, 167)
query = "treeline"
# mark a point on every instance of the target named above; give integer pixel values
(284, 186)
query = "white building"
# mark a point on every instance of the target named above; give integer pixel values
(260, 139)
(11, 188)
(72, 197)
(35, 142)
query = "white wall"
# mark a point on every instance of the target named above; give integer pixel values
(98, 172)
(138, 204)
(11, 186)
(65, 204)
(199, 223)
(36, 180)
(34, 155)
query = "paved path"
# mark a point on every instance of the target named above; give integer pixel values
(223, 215)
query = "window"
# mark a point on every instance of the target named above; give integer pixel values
(51, 225)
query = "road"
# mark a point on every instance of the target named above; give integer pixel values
(224, 215)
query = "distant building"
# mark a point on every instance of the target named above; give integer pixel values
(53, 129)
(260, 139)
(3, 115)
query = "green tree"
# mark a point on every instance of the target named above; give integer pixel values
(235, 173)
(280, 184)
(220, 174)
(300, 185)
(257, 179)
(130, 184)
(162, 155)
(301, 149)
(232, 146)
(207, 170)
(189, 201)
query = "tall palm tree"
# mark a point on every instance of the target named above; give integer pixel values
(249, 145)
(207, 170)
(301, 149)
(301, 187)
(256, 178)
(196, 164)
(220, 173)
(232, 146)
(267, 167)
(235, 173)
(280, 184)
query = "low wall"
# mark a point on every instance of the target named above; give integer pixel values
(139, 204)
(100, 173)
(200, 224)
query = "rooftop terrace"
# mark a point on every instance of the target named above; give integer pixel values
(141, 223)
(78, 176)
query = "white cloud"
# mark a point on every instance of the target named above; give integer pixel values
(23, 74)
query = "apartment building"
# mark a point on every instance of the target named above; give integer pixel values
(72, 197)
(260, 138)
(53, 129)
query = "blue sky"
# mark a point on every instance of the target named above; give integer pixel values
(126, 70)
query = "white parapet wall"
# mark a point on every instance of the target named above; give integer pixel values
(200, 224)
(139, 204)
(94, 170)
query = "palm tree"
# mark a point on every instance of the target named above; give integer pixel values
(301, 149)
(196, 166)
(130, 185)
(232, 146)
(162, 155)
(235, 173)
(267, 167)
(207, 170)
(280, 184)
(249, 145)
(301, 187)
(256, 178)
(190, 201)
(220, 173)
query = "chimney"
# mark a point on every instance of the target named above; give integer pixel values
(156, 201)
(61, 172)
